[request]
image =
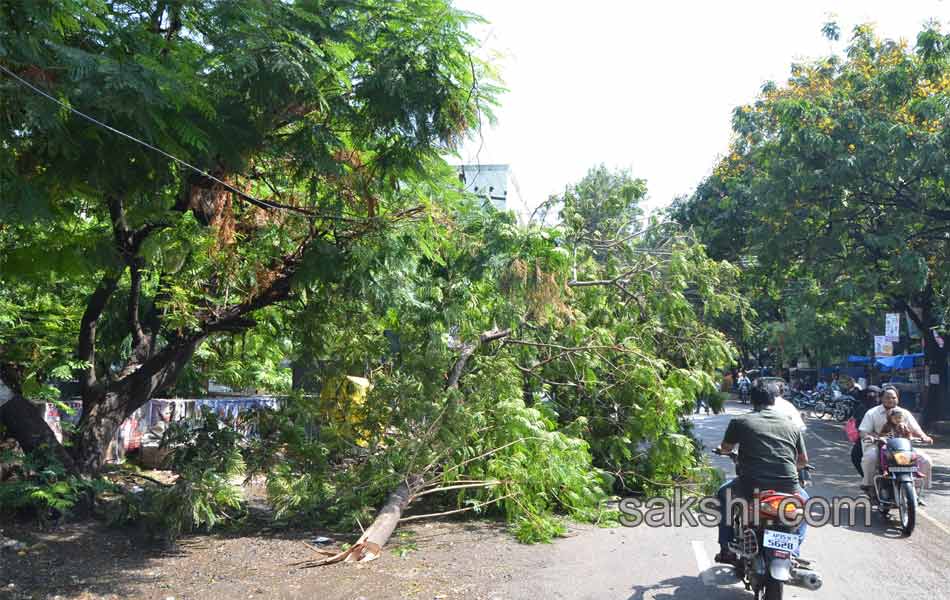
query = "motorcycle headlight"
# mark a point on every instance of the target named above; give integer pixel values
(903, 458)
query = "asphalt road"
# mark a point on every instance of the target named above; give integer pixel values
(674, 563)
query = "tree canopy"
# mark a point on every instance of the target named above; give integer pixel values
(308, 126)
(840, 177)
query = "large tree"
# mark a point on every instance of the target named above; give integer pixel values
(314, 124)
(841, 176)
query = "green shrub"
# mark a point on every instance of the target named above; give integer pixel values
(44, 489)
(205, 458)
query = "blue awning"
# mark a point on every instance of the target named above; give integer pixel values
(859, 359)
(901, 361)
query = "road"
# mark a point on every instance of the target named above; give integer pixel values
(859, 563)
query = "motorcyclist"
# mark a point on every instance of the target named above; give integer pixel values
(771, 452)
(784, 407)
(871, 426)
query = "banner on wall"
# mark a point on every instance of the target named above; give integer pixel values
(892, 327)
(882, 347)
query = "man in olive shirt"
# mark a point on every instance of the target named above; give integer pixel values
(771, 451)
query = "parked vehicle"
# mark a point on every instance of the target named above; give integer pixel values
(767, 547)
(745, 392)
(897, 480)
(842, 407)
(823, 403)
(814, 404)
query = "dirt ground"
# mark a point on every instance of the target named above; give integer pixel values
(89, 561)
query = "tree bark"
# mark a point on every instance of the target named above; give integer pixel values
(935, 357)
(24, 422)
(370, 545)
(102, 419)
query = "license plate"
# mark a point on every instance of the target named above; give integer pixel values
(778, 540)
(902, 469)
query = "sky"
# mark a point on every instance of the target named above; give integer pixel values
(646, 85)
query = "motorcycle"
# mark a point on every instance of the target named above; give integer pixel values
(815, 404)
(822, 404)
(766, 547)
(842, 407)
(745, 392)
(897, 480)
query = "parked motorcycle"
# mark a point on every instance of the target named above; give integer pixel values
(822, 404)
(896, 481)
(842, 407)
(745, 393)
(815, 404)
(766, 546)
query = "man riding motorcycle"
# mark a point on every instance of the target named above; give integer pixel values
(771, 452)
(870, 428)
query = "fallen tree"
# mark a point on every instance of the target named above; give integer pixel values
(232, 179)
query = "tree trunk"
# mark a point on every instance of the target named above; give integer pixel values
(98, 426)
(935, 357)
(103, 416)
(370, 545)
(24, 422)
(374, 538)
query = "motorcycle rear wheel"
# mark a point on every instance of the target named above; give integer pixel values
(774, 589)
(907, 507)
(840, 412)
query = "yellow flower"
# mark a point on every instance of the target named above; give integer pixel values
(850, 147)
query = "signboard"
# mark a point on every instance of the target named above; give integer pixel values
(892, 327)
(882, 347)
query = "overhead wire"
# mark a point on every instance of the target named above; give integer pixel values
(266, 204)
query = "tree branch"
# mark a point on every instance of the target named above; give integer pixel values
(459, 367)
(87, 332)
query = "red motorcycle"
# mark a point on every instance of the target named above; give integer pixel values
(767, 545)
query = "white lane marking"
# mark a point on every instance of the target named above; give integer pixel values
(936, 523)
(812, 431)
(703, 562)
(722, 577)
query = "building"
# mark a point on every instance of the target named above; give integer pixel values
(491, 182)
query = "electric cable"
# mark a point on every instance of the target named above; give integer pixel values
(266, 204)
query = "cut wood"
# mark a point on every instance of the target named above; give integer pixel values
(370, 545)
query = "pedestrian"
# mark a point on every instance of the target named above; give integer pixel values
(702, 402)
(867, 400)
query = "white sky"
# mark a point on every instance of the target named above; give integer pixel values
(647, 85)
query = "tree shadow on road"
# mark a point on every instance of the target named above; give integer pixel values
(721, 587)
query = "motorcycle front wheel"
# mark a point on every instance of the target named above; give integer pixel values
(819, 410)
(907, 506)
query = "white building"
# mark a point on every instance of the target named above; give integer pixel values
(488, 181)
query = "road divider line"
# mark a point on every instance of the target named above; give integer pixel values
(703, 563)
